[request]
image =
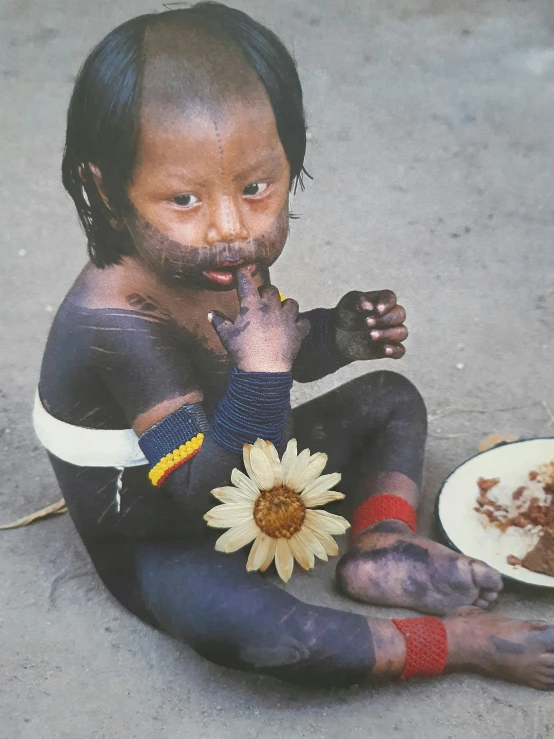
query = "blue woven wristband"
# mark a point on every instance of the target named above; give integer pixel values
(255, 405)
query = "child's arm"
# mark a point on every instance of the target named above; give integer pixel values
(318, 356)
(141, 360)
(362, 326)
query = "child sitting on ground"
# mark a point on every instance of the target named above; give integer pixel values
(186, 134)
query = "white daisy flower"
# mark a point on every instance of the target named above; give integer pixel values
(273, 507)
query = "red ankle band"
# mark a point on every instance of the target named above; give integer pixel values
(426, 646)
(381, 508)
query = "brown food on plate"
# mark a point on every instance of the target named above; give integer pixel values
(485, 484)
(541, 557)
(523, 511)
(502, 516)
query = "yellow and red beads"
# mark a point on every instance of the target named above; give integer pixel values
(175, 459)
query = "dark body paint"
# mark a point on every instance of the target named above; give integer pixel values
(101, 368)
(178, 264)
(503, 646)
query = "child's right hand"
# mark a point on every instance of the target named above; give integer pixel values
(266, 336)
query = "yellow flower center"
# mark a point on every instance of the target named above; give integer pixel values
(279, 513)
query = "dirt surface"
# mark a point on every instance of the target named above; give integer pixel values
(431, 148)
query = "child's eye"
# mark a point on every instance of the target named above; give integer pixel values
(185, 200)
(255, 188)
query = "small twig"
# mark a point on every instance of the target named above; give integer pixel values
(56, 509)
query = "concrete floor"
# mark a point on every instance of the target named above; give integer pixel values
(432, 150)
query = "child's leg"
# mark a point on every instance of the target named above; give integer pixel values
(373, 429)
(238, 619)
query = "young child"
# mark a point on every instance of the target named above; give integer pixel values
(185, 136)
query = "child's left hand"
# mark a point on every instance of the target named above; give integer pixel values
(370, 325)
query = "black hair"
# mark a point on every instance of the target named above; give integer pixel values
(103, 116)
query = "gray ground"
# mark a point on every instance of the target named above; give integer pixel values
(431, 126)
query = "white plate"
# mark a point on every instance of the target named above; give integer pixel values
(464, 527)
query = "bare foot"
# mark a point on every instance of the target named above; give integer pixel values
(387, 564)
(515, 651)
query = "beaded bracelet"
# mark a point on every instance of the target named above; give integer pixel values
(382, 508)
(173, 441)
(175, 459)
(426, 646)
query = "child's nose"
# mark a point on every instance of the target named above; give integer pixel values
(227, 222)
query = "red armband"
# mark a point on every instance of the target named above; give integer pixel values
(381, 508)
(426, 646)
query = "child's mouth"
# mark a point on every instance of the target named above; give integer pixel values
(226, 275)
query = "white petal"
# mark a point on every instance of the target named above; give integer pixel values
(220, 511)
(327, 522)
(261, 469)
(325, 482)
(246, 449)
(314, 499)
(259, 552)
(330, 545)
(310, 540)
(229, 494)
(237, 537)
(302, 554)
(270, 554)
(243, 482)
(289, 456)
(273, 457)
(252, 553)
(297, 470)
(227, 515)
(315, 467)
(284, 560)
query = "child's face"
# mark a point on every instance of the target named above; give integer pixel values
(210, 190)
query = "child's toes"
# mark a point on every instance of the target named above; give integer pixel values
(547, 660)
(490, 596)
(486, 598)
(485, 577)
